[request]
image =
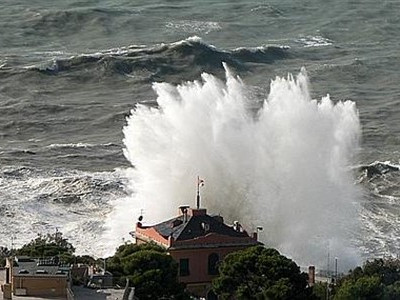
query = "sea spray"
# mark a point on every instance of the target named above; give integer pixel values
(284, 167)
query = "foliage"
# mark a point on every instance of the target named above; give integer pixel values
(48, 245)
(378, 279)
(4, 252)
(152, 272)
(392, 291)
(319, 290)
(388, 270)
(365, 287)
(115, 265)
(87, 260)
(260, 273)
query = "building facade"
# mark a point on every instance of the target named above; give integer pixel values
(37, 277)
(197, 242)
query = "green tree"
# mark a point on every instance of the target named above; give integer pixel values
(393, 291)
(4, 252)
(260, 273)
(377, 279)
(152, 272)
(319, 290)
(388, 270)
(48, 245)
(115, 264)
(87, 260)
(365, 287)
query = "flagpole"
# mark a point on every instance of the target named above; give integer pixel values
(198, 192)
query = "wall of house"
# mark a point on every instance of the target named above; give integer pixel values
(2, 276)
(198, 261)
(199, 280)
(40, 285)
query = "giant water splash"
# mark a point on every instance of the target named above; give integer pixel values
(284, 167)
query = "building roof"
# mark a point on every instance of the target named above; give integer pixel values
(25, 266)
(195, 226)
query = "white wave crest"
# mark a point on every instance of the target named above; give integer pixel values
(74, 202)
(191, 26)
(315, 41)
(79, 145)
(285, 168)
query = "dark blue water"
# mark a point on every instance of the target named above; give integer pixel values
(71, 71)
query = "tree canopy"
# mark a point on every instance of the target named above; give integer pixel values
(260, 273)
(378, 279)
(4, 252)
(152, 272)
(48, 245)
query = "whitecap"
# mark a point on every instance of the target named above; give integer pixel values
(314, 41)
(190, 26)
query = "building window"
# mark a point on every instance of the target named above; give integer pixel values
(213, 260)
(184, 267)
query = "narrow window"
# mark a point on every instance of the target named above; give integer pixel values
(184, 267)
(213, 260)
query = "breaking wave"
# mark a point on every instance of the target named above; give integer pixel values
(163, 59)
(284, 167)
(314, 41)
(35, 201)
(81, 145)
(381, 208)
(379, 168)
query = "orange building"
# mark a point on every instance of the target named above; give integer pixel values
(198, 242)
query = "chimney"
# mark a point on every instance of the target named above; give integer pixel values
(170, 240)
(197, 211)
(255, 234)
(311, 275)
(183, 211)
(237, 226)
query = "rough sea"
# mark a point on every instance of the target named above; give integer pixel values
(73, 72)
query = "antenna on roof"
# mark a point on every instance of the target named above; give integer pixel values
(200, 182)
(12, 241)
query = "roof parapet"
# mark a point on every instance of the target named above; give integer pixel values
(197, 211)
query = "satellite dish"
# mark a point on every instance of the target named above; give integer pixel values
(140, 218)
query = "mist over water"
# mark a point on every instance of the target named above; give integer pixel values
(283, 166)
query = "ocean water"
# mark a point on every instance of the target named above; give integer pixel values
(73, 72)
